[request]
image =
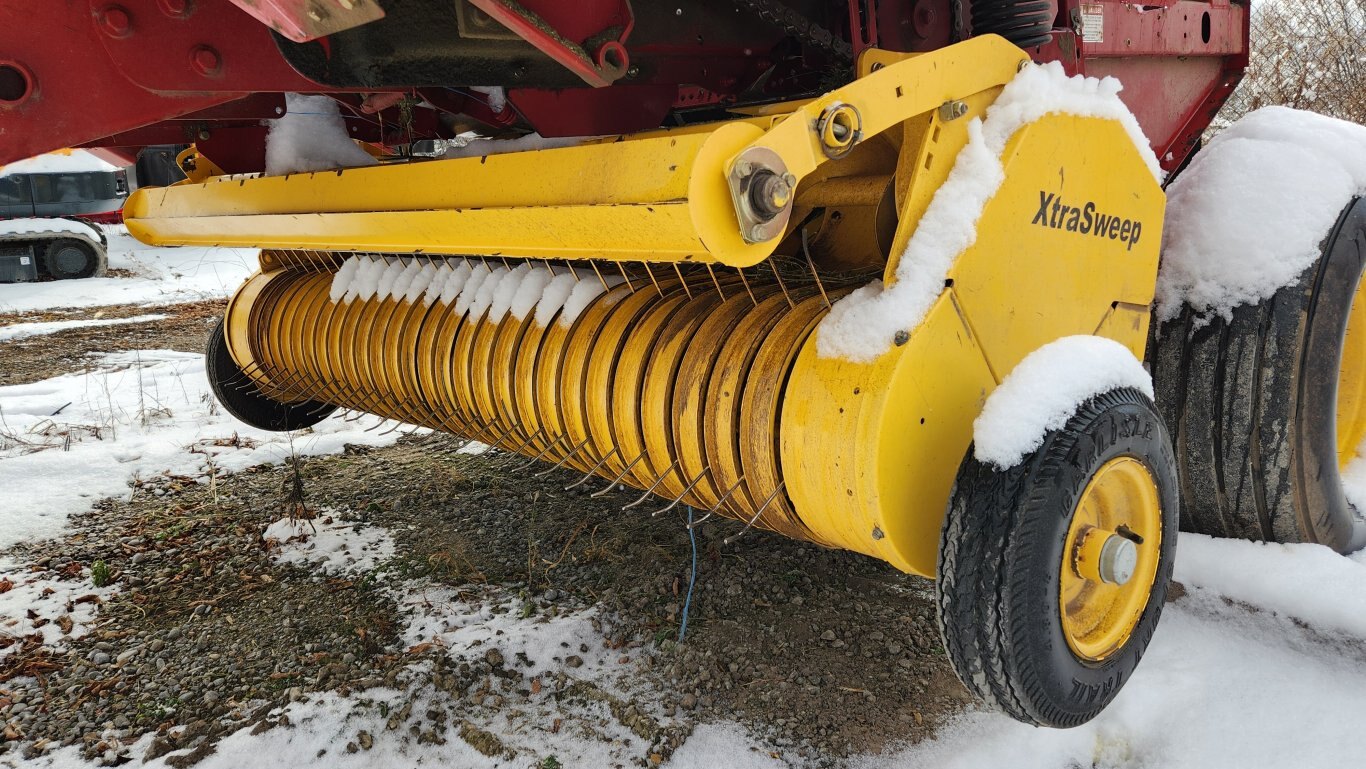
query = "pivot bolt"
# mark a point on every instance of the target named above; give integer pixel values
(952, 110)
(1118, 560)
(769, 193)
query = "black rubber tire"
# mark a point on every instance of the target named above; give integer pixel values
(239, 396)
(1251, 403)
(69, 259)
(1001, 556)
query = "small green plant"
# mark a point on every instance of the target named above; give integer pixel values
(550, 762)
(99, 574)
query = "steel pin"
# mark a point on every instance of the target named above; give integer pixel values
(592, 470)
(653, 486)
(617, 479)
(686, 489)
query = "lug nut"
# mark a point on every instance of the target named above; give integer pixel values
(769, 193)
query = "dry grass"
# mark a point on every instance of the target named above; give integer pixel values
(1306, 55)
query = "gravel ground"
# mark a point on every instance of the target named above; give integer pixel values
(820, 653)
(39, 357)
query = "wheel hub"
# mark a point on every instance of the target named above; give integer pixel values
(1110, 558)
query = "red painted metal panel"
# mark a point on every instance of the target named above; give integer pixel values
(75, 94)
(206, 46)
(1178, 60)
(595, 111)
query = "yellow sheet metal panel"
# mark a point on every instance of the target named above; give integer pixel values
(642, 170)
(870, 452)
(656, 197)
(1075, 227)
(893, 432)
(662, 232)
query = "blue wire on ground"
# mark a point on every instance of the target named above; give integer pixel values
(687, 602)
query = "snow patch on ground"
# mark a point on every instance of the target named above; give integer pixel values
(159, 276)
(39, 603)
(134, 415)
(61, 162)
(1248, 214)
(311, 136)
(1309, 583)
(26, 330)
(862, 326)
(328, 544)
(1222, 684)
(458, 619)
(1046, 388)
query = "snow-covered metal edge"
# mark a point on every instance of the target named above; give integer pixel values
(862, 326)
(1045, 390)
(1248, 214)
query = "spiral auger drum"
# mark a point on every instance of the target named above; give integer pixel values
(647, 385)
(655, 310)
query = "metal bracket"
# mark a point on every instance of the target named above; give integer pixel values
(600, 67)
(305, 20)
(762, 191)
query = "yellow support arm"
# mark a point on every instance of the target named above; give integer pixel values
(662, 196)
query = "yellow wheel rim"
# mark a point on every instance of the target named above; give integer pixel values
(1351, 421)
(1104, 589)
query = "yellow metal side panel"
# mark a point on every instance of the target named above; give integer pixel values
(895, 92)
(1027, 280)
(870, 452)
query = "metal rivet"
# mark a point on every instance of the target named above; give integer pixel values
(176, 9)
(877, 533)
(901, 338)
(205, 60)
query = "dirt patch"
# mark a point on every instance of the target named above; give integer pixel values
(824, 653)
(34, 358)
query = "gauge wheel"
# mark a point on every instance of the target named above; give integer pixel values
(239, 395)
(1053, 572)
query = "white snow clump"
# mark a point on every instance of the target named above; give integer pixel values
(1045, 389)
(1247, 215)
(311, 136)
(471, 287)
